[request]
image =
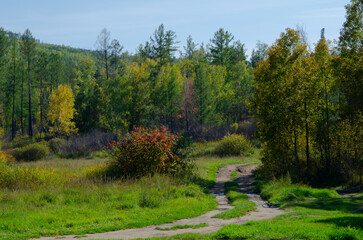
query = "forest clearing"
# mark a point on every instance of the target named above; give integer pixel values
(199, 142)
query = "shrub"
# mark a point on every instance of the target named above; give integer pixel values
(144, 152)
(6, 157)
(18, 142)
(233, 145)
(55, 144)
(31, 152)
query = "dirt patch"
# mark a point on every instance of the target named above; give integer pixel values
(245, 183)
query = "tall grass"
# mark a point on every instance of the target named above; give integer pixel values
(38, 200)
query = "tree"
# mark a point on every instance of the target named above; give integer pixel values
(14, 59)
(28, 50)
(203, 95)
(116, 49)
(140, 91)
(41, 69)
(161, 46)
(3, 45)
(104, 48)
(56, 68)
(187, 109)
(277, 105)
(348, 67)
(259, 54)
(238, 52)
(87, 95)
(240, 88)
(61, 111)
(3, 52)
(351, 35)
(221, 49)
(168, 87)
(190, 49)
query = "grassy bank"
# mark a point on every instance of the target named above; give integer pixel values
(59, 196)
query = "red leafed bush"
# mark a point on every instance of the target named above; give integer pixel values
(145, 151)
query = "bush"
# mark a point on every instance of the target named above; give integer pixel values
(55, 144)
(145, 152)
(233, 145)
(31, 152)
(6, 157)
(18, 142)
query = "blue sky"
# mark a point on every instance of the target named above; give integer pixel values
(77, 23)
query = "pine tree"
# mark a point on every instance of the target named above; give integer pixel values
(28, 50)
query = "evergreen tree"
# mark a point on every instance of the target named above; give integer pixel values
(203, 95)
(221, 50)
(161, 46)
(28, 50)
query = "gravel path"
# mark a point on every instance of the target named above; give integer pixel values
(245, 182)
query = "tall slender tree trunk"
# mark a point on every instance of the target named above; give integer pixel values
(30, 122)
(327, 143)
(41, 107)
(21, 104)
(297, 161)
(307, 151)
(13, 121)
(106, 61)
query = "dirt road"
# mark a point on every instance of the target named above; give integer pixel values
(245, 182)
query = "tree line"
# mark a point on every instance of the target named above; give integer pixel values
(113, 90)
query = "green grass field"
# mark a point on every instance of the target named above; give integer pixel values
(61, 196)
(58, 196)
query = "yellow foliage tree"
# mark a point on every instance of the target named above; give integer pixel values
(61, 111)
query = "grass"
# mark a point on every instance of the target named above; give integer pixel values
(303, 221)
(238, 200)
(195, 226)
(312, 214)
(81, 209)
(57, 198)
(280, 192)
(234, 175)
(60, 196)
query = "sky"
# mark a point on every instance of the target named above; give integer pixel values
(77, 23)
